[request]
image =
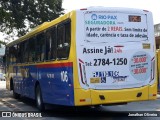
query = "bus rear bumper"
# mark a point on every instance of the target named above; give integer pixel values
(104, 97)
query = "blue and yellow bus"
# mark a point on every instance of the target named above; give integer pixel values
(91, 56)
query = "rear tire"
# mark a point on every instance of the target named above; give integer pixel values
(39, 101)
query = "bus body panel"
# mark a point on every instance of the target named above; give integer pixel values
(23, 80)
(59, 83)
(55, 80)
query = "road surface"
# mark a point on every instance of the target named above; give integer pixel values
(23, 105)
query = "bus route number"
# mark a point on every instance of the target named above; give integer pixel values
(114, 61)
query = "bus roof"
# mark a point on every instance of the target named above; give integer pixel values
(114, 9)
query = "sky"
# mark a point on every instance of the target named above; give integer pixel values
(151, 5)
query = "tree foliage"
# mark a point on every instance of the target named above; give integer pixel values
(3, 43)
(18, 16)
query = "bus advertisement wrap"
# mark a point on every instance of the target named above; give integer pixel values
(114, 43)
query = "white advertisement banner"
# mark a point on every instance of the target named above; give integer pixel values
(110, 50)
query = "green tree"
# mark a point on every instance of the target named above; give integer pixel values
(18, 16)
(2, 43)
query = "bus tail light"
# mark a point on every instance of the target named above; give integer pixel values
(85, 100)
(82, 72)
(154, 95)
(82, 100)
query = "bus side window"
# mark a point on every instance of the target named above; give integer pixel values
(7, 56)
(40, 47)
(22, 52)
(32, 54)
(48, 45)
(60, 41)
(63, 40)
(13, 54)
(18, 53)
(54, 43)
(26, 51)
(51, 44)
(67, 41)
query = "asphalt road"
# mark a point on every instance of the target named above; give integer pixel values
(23, 105)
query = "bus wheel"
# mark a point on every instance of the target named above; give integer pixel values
(39, 101)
